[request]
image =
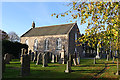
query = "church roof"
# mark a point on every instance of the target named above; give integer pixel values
(49, 30)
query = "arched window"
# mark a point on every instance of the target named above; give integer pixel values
(35, 45)
(26, 41)
(46, 44)
(75, 36)
(59, 43)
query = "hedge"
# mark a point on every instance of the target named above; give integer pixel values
(13, 48)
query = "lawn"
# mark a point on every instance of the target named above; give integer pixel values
(86, 69)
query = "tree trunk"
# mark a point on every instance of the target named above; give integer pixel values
(107, 57)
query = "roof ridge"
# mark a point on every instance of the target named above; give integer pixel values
(55, 25)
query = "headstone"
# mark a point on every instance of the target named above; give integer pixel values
(56, 58)
(70, 59)
(78, 59)
(74, 61)
(32, 56)
(63, 55)
(68, 67)
(25, 65)
(38, 59)
(7, 58)
(44, 60)
(35, 57)
(95, 60)
(30, 52)
(53, 58)
(3, 65)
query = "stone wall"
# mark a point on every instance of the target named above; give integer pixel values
(52, 42)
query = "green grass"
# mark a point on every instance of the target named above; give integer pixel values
(86, 69)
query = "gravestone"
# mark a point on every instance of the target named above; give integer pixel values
(70, 59)
(56, 58)
(23, 51)
(25, 65)
(44, 60)
(68, 67)
(38, 58)
(95, 60)
(32, 56)
(3, 65)
(30, 52)
(74, 61)
(78, 59)
(53, 58)
(35, 56)
(63, 55)
(7, 58)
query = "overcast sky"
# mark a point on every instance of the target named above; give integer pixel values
(18, 16)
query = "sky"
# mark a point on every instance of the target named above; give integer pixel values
(18, 16)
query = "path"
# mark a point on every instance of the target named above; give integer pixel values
(101, 72)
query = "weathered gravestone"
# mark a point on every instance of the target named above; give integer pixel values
(3, 65)
(78, 59)
(63, 55)
(25, 65)
(56, 56)
(74, 59)
(38, 58)
(35, 57)
(70, 58)
(7, 58)
(30, 52)
(53, 58)
(68, 67)
(44, 60)
(23, 51)
(32, 56)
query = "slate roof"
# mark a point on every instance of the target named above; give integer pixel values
(49, 30)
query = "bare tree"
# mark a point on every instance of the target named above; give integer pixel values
(13, 37)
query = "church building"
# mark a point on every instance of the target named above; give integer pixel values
(53, 38)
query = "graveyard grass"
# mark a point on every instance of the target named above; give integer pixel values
(86, 69)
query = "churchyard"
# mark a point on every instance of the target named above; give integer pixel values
(86, 69)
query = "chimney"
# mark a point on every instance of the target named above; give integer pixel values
(33, 24)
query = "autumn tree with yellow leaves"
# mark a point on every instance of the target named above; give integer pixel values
(103, 20)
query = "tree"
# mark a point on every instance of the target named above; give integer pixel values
(101, 17)
(13, 37)
(3, 35)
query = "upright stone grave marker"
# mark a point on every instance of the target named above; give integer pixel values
(35, 56)
(68, 67)
(63, 55)
(44, 60)
(78, 58)
(32, 56)
(25, 65)
(74, 60)
(3, 65)
(53, 58)
(7, 58)
(38, 58)
(56, 58)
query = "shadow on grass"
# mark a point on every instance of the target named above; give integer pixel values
(86, 71)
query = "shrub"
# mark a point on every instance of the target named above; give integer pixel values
(13, 48)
